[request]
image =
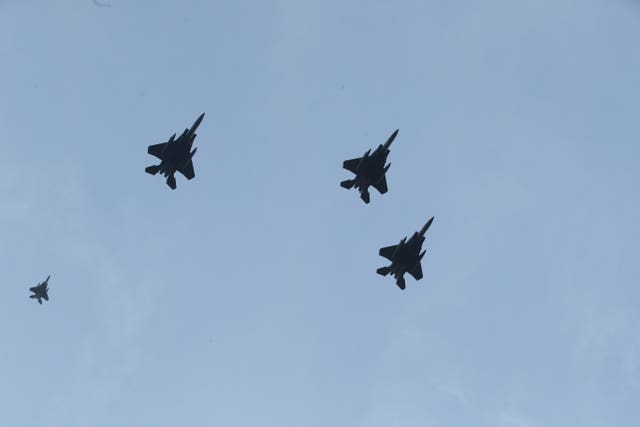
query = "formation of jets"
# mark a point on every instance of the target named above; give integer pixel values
(176, 155)
(370, 171)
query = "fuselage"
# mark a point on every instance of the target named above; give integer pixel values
(40, 291)
(407, 255)
(177, 154)
(371, 168)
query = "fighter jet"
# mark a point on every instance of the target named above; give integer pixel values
(175, 155)
(405, 257)
(370, 170)
(40, 291)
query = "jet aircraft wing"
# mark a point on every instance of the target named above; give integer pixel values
(187, 170)
(388, 251)
(46, 297)
(352, 164)
(157, 149)
(34, 289)
(416, 271)
(381, 185)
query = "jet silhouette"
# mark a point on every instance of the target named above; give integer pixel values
(175, 155)
(41, 291)
(405, 257)
(370, 170)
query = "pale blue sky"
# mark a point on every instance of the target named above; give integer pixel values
(248, 296)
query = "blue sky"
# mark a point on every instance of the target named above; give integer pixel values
(248, 296)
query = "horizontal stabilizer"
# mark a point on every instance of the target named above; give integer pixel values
(348, 184)
(383, 271)
(400, 283)
(171, 181)
(364, 195)
(152, 169)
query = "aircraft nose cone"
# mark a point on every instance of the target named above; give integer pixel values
(426, 226)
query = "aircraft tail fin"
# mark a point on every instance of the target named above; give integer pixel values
(348, 184)
(152, 169)
(171, 181)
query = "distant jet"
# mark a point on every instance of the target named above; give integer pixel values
(405, 257)
(40, 291)
(370, 170)
(175, 155)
